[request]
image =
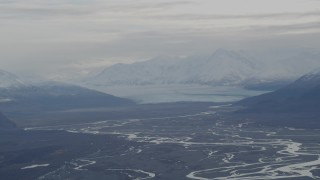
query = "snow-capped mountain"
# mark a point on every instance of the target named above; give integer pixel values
(221, 68)
(9, 80)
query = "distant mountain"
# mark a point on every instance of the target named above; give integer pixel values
(303, 95)
(5, 123)
(221, 68)
(57, 96)
(9, 80)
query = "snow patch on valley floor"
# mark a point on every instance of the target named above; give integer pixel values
(149, 175)
(85, 162)
(35, 166)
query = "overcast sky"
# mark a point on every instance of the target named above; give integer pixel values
(57, 36)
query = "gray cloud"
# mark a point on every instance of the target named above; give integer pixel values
(289, 28)
(238, 16)
(17, 10)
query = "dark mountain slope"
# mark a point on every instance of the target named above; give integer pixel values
(303, 95)
(56, 96)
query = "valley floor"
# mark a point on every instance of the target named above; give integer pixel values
(194, 144)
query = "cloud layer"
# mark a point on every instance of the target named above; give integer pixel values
(47, 37)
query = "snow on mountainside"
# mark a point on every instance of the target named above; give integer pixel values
(221, 68)
(8, 80)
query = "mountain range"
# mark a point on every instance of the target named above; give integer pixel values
(223, 67)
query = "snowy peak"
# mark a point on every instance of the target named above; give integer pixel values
(234, 62)
(9, 80)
